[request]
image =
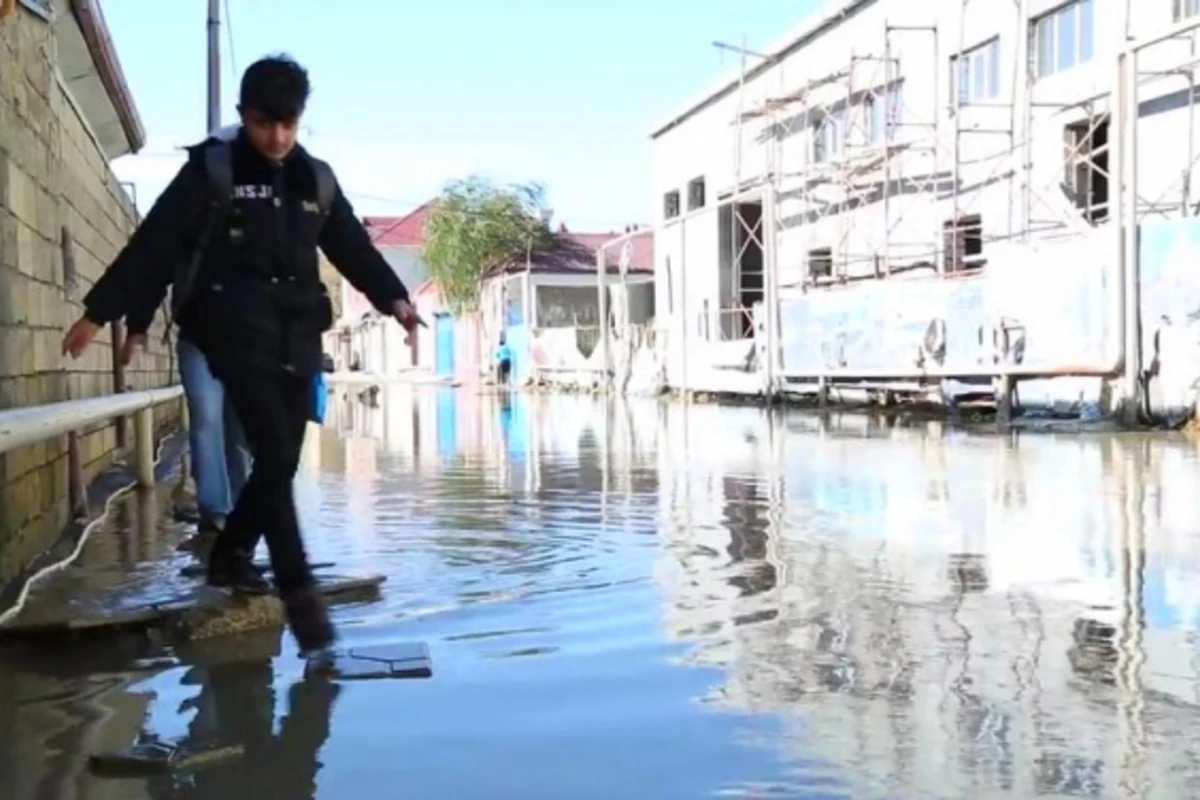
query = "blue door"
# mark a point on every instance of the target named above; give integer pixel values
(517, 338)
(443, 343)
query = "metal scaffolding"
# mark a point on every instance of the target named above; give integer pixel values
(858, 139)
(866, 144)
(863, 176)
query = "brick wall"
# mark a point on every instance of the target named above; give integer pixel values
(55, 184)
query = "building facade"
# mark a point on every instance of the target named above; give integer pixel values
(876, 197)
(547, 306)
(65, 113)
(450, 347)
(362, 337)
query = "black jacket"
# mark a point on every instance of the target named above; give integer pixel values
(258, 301)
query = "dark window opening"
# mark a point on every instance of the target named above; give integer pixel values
(740, 267)
(696, 194)
(820, 141)
(566, 307)
(820, 263)
(671, 205)
(964, 243)
(1086, 167)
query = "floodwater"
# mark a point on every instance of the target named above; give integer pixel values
(645, 600)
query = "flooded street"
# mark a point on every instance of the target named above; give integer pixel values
(641, 599)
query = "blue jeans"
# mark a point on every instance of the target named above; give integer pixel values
(220, 455)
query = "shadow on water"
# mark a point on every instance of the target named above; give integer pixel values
(643, 599)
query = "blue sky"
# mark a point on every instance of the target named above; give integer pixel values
(408, 95)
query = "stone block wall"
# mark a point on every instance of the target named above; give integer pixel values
(63, 217)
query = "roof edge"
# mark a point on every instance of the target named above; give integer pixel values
(392, 224)
(510, 270)
(832, 14)
(108, 67)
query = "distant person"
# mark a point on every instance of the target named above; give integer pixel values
(503, 362)
(255, 206)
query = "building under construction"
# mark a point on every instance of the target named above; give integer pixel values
(947, 147)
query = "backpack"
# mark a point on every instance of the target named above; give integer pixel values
(218, 168)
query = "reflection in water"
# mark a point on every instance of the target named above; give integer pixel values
(721, 601)
(236, 705)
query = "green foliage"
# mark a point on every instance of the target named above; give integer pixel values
(474, 227)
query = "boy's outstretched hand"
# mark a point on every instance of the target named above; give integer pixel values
(408, 318)
(79, 336)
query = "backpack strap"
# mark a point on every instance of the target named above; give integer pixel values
(218, 170)
(218, 166)
(326, 185)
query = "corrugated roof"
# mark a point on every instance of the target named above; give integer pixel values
(94, 30)
(576, 253)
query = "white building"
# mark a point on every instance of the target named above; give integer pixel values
(900, 190)
(362, 336)
(548, 307)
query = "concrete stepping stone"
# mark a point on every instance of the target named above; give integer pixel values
(389, 661)
(157, 758)
(198, 613)
(199, 570)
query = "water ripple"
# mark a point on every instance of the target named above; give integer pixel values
(642, 599)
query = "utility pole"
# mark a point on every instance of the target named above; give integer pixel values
(214, 65)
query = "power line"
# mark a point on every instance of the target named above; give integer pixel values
(382, 232)
(413, 205)
(407, 206)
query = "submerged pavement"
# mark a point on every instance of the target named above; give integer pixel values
(644, 599)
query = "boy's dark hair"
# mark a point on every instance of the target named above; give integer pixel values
(276, 87)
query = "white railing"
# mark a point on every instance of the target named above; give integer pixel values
(25, 426)
(20, 427)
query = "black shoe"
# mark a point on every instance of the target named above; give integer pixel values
(236, 572)
(190, 516)
(207, 524)
(198, 544)
(309, 621)
(201, 542)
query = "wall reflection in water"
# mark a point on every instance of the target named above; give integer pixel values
(952, 612)
(916, 610)
(946, 610)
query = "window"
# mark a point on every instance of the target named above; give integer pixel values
(873, 121)
(978, 73)
(827, 135)
(820, 263)
(1185, 9)
(1064, 38)
(671, 205)
(1085, 147)
(964, 243)
(883, 110)
(696, 194)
